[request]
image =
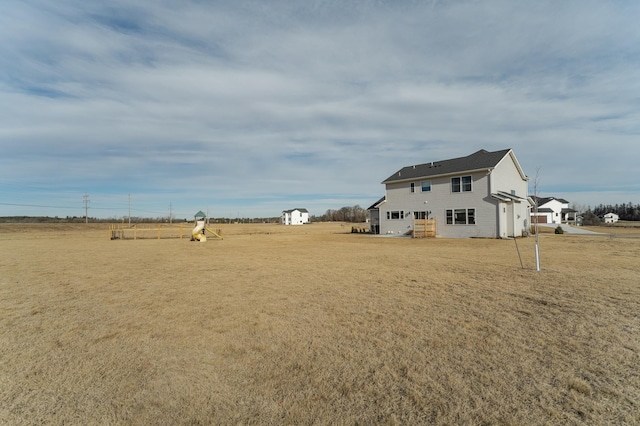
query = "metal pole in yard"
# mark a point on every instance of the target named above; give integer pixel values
(515, 240)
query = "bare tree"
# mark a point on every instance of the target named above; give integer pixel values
(536, 182)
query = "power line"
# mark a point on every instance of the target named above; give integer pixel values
(56, 207)
(35, 205)
(70, 207)
(75, 207)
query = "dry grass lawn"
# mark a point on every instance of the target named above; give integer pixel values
(315, 325)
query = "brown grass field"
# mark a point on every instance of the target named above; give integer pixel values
(314, 325)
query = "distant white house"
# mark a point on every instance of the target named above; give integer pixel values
(553, 210)
(611, 218)
(295, 217)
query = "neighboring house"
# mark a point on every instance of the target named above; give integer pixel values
(482, 195)
(295, 217)
(374, 216)
(553, 210)
(611, 218)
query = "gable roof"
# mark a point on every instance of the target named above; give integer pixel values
(480, 160)
(544, 200)
(376, 205)
(293, 210)
(505, 196)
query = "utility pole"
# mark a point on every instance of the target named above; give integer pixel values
(170, 213)
(85, 200)
(129, 210)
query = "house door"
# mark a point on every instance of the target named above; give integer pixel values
(504, 224)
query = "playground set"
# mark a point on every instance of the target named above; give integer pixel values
(202, 225)
(198, 232)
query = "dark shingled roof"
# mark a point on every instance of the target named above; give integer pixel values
(377, 203)
(477, 161)
(544, 200)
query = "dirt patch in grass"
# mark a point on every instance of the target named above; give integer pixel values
(315, 325)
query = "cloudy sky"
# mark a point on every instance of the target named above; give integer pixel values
(246, 108)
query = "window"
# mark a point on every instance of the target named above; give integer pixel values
(466, 183)
(413, 187)
(461, 217)
(419, 215)
(461, 184)
(425, 185)
(455, 184)
(395, 215)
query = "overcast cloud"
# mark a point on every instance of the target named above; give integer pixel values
(252, 107)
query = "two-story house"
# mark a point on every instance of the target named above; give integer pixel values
(553, 210)
(611, 218)
(295, 217)
(483, 195)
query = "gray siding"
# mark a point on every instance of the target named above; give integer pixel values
(493, 218)
(515, 216)
(438, 200)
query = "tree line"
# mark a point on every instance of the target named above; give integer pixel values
(595, 215)
(351, 214)
(625, 211)
(355, 214)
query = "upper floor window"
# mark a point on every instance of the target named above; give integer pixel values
(413, 187)
(425, 185)
(461, 184)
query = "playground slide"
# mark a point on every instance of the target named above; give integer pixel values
(196, 233)
(214, 232)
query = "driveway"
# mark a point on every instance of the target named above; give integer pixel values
(570, 229)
